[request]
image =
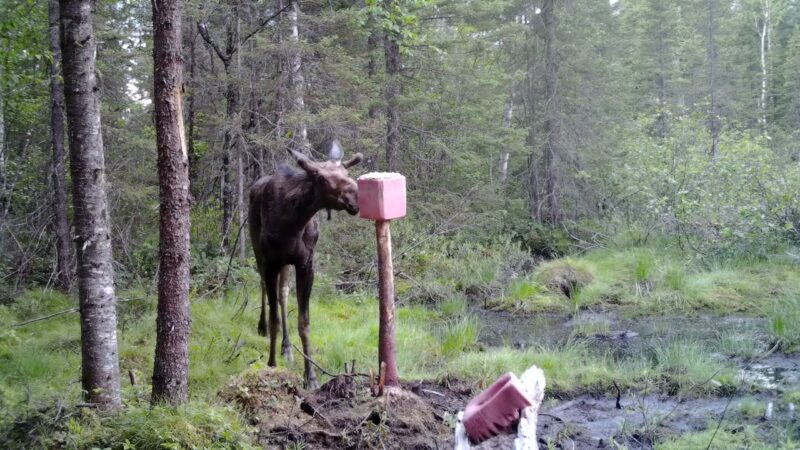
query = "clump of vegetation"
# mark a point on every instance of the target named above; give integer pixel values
(784, 316)
(564, 276)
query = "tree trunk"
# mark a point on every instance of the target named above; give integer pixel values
(100, 365)
(764, 27)
(300, 135)
(228, 147)
(713, 120)
(552, 119)
(393, 65)
(171, 368)
(61, 224)
(508, 114)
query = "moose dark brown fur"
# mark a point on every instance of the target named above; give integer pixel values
(284, 231)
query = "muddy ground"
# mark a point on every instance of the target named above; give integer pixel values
(344, 415)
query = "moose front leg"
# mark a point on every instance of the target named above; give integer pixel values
(271, 285)
(305, 280)
(283, 297)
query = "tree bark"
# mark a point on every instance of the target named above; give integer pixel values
(100, 365)
(386, 336)
(552, 118)
(171, 368)
(61, 224)
(764, 27)
(393, 67)
(300, 135)
(713, 120)
(508, 115)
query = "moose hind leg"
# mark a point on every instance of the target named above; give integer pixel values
(305, 280)
(262, 321)
(283, 298)
(271, 283)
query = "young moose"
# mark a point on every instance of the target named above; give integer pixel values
(284, 231)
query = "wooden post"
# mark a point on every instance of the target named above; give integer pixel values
(382, 197)
(387, 345)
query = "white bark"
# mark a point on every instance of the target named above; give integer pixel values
(297, 79)
(764, 27)
(508, 114)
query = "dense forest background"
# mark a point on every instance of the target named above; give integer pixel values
(548, 123)
(604, 189)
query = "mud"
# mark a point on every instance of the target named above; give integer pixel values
(343, 414)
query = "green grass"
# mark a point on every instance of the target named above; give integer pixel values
(649, 280)
(728, 437)
(783, 318)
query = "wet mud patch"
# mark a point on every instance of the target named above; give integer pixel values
(343, 414)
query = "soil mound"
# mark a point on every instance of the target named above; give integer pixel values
(343, 414)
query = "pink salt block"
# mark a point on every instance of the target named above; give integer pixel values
(496, 409)
(382, 196)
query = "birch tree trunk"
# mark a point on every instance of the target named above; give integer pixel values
(60, 224)
(713, 120)
(171, 368)
(764, 27)
(100, 366)
(300, 137)
(508, 114)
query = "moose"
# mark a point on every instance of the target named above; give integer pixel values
(284, 231)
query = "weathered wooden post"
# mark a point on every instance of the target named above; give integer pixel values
(382, 197)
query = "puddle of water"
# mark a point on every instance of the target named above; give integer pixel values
(594, 421)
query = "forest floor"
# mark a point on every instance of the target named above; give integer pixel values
(699, 354)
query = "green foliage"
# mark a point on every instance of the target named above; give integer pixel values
(730, 436)
(784, 315)
(459, 335)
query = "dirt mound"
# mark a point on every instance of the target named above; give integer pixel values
(342, 414)
(564, 276)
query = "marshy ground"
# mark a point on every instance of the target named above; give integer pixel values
(696, 354)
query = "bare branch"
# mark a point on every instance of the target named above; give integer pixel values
(201, 27)
(264, 23)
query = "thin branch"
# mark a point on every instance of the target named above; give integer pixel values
(263, 24)
(201, 27)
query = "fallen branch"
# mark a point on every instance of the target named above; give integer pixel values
(61, 313)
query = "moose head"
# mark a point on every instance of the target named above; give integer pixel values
(334, 188)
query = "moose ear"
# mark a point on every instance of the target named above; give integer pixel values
(303, 161)
(336, 153)
(353, 161)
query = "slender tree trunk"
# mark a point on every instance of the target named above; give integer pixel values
(661, 82)
(713, 120)
(552, 119)
(100, 365)
(764, 27)
(300, 136)
(373, 40)
(508, 115)
(240, 149)
(228, 148)
(171, 368)
(61, 224)
(393, 66)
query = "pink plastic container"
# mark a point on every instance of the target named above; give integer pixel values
(496, 409)
(382, 196)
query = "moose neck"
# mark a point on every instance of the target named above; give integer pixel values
(307, 202)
